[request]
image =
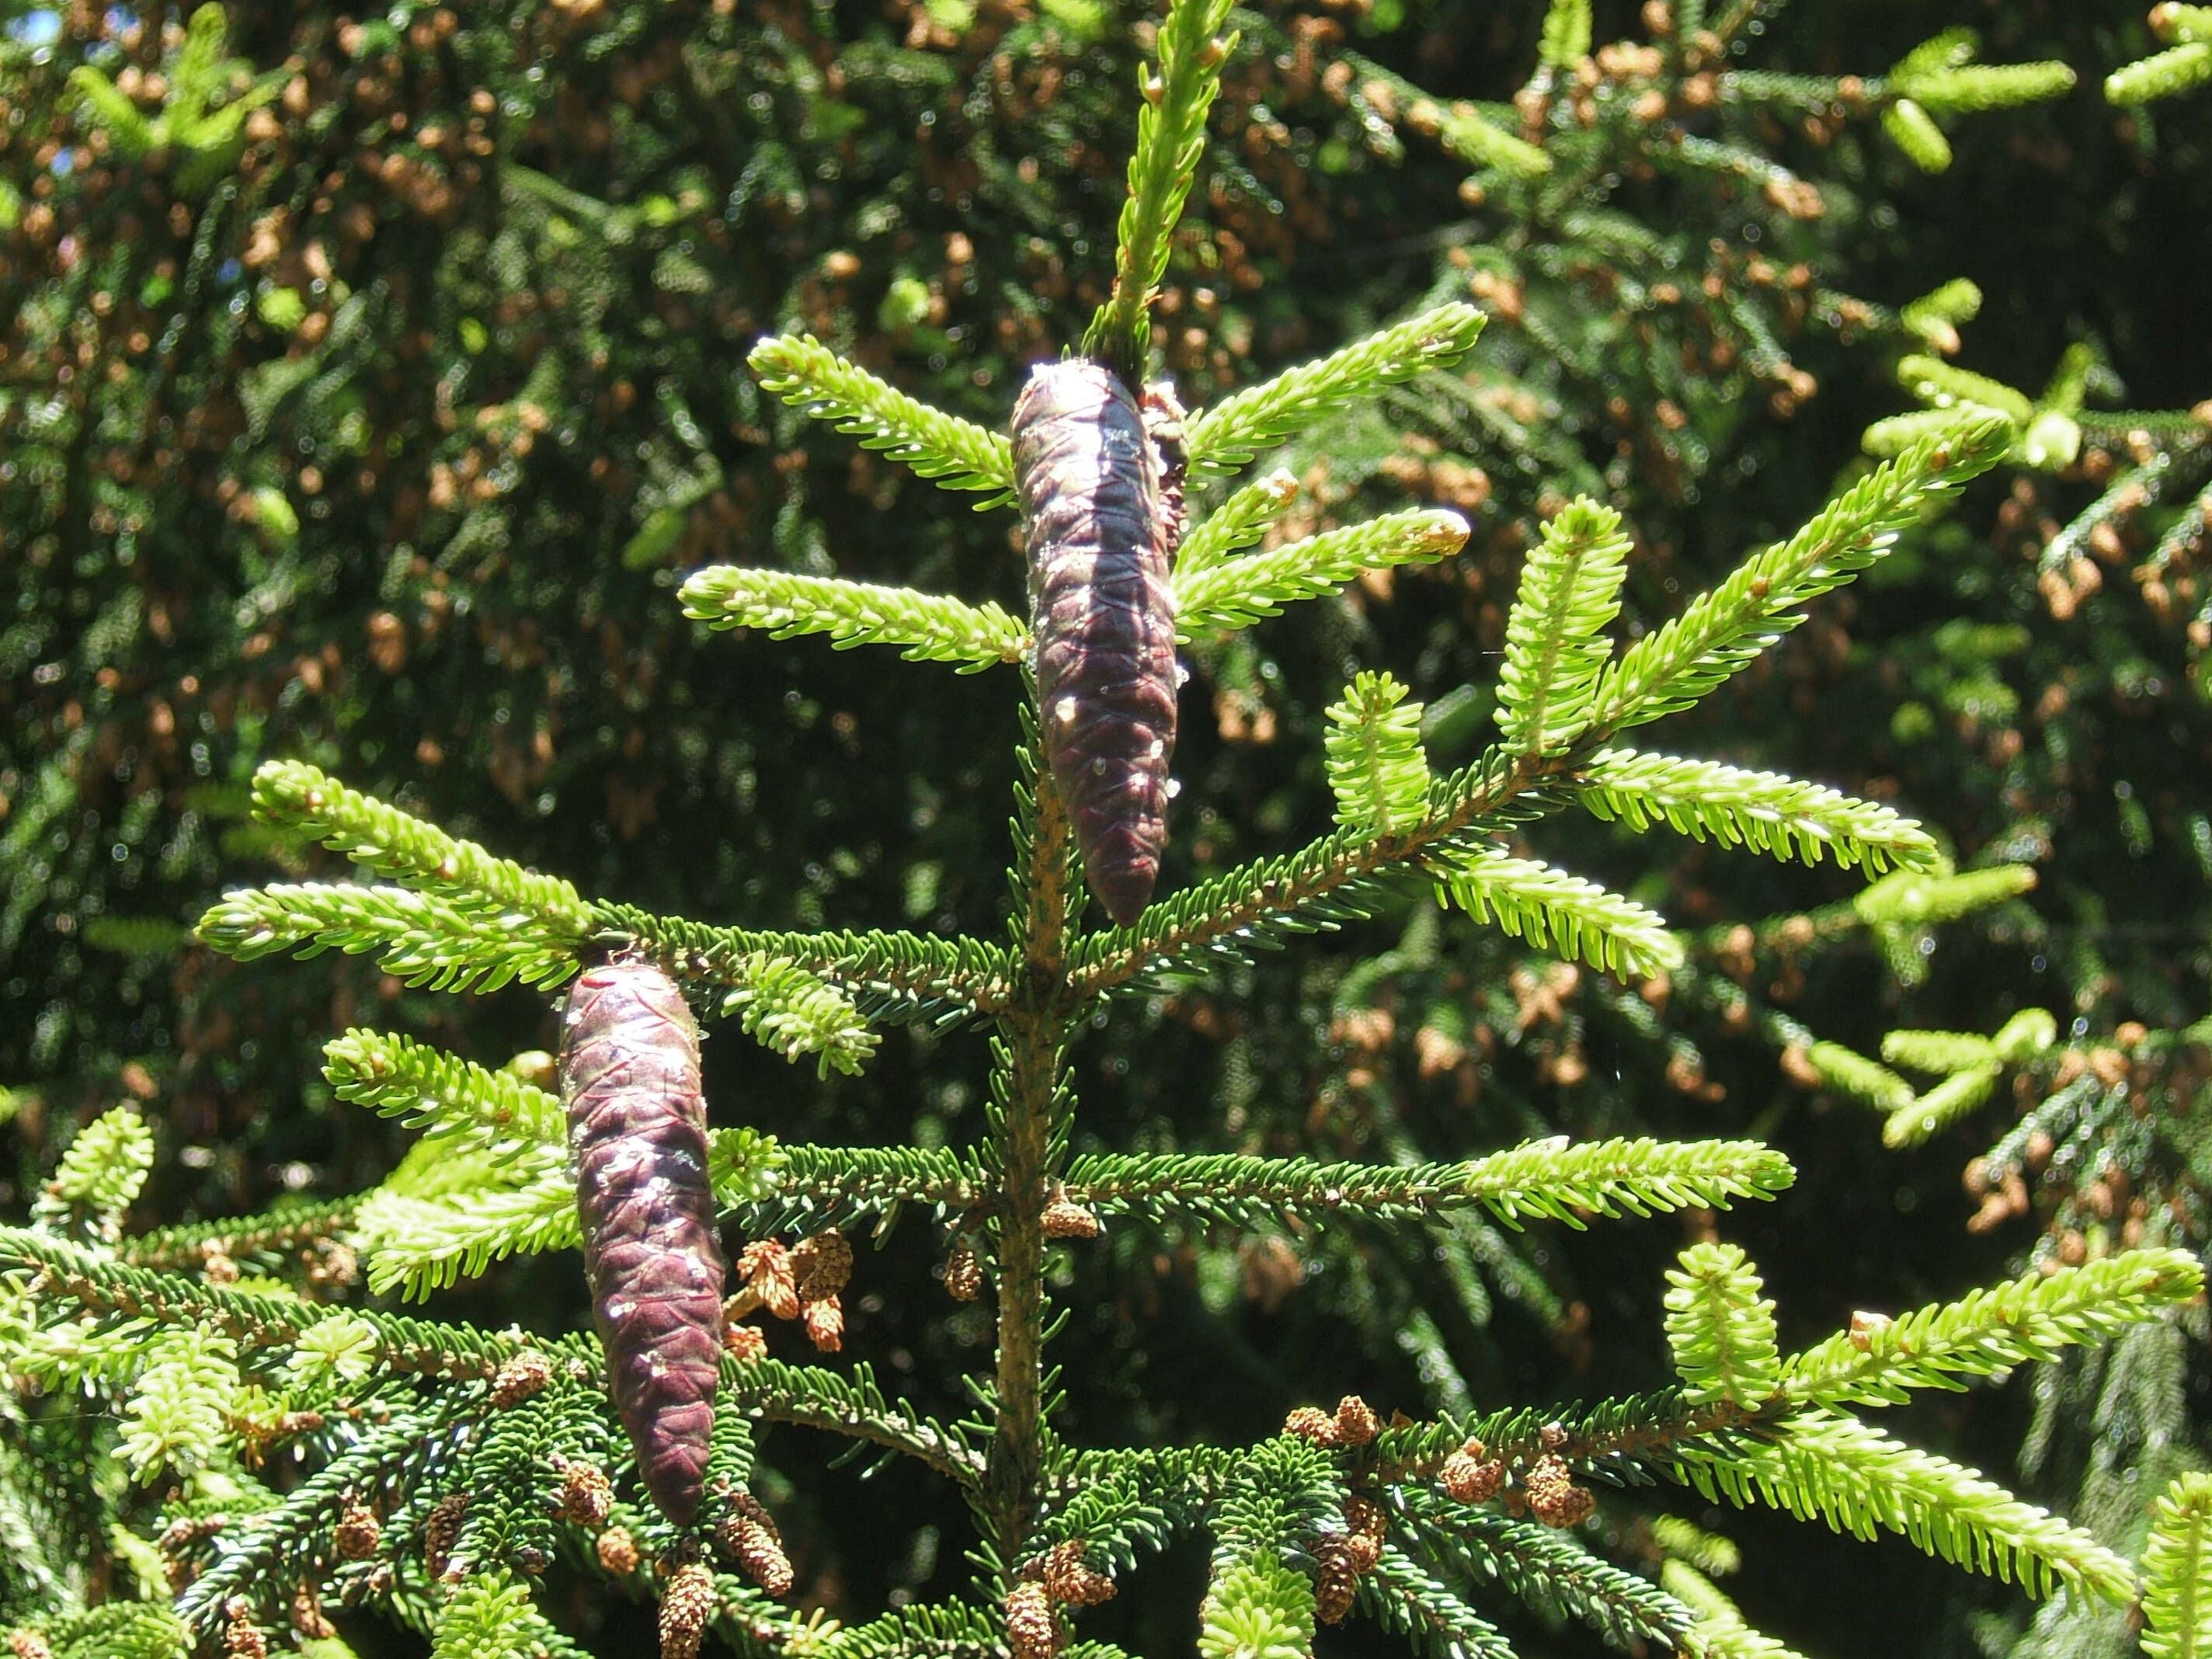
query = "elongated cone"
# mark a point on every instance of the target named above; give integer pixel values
(1099, 536)
(637, 1141)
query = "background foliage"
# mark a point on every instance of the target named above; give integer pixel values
(365, 382)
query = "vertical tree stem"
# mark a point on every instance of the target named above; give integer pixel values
(1034, 1034)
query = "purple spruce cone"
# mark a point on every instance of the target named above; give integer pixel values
(637, 1140)
(1099, 538)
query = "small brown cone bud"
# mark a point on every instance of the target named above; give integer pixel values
(1554, 1497)
(685, 1607)
(1311, 1422)
(1334, 1584)
(358, 1533)
(308, 1615)
(618, 1551)
(1470, 1477)
(241, 1637)
(1068, 1577)
(766, 1265)
(334, 1267)
(749, 1507)
(1356, 1422)
(1064, 1219)
(440, 1531)
(748, 1535)
(1030, 1625)
(1865, 1327)
(28, 1644)
(219, 1268)
(1364, 1522)
(823, 1265)
(744, 1342)
(586, 1495)
(825, 1324)
(737, 1305)
(521, 1376)
(963, 1275)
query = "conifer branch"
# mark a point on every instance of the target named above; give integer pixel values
(1765, 812)
(176, 1411)
(1170, 138)
(1311, 889)
(1555, 643)
(1234, 430)
(846, 1404)
(486, 1617)
(1912, 898)
(247, 1240)
(1945, 386)
(259, 1324)
(1879, 1361)
(1557, 1181)
(953, 453)
(1258, 1608)
(1563, 40)
(1552, 909)
(1723, 630)
(2177, 1564)
(2168, 74)
(1721, 1329)
(1236, 524)
(1719, 1631)
(955, 1630)
(1822, 1465)
(113, 1630)
(1122, 1504)
(415, 1245)
(1405, 1598)
(2028, 1035)
(100, 1172)
(1275, 1500)
(1934, 317)
(295, 1543)
(1480, 142)
(303, 803)
(1547, 1568)
(425, 941)
(1378, 768)
(1939, 77)
(1620, 1440)
(1864, 1080)
(453, 1098)
(1687, 1541)
(427, 1233)
(785, 1009)
(896, 975)
(1549, 1179)
(1942, 79)
(1928, 1114)
(1941, 1052)
(1221, 914)
(817, 1188)
(202, 114)
(1893, 434)
(1235, 593)
(929, 627)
